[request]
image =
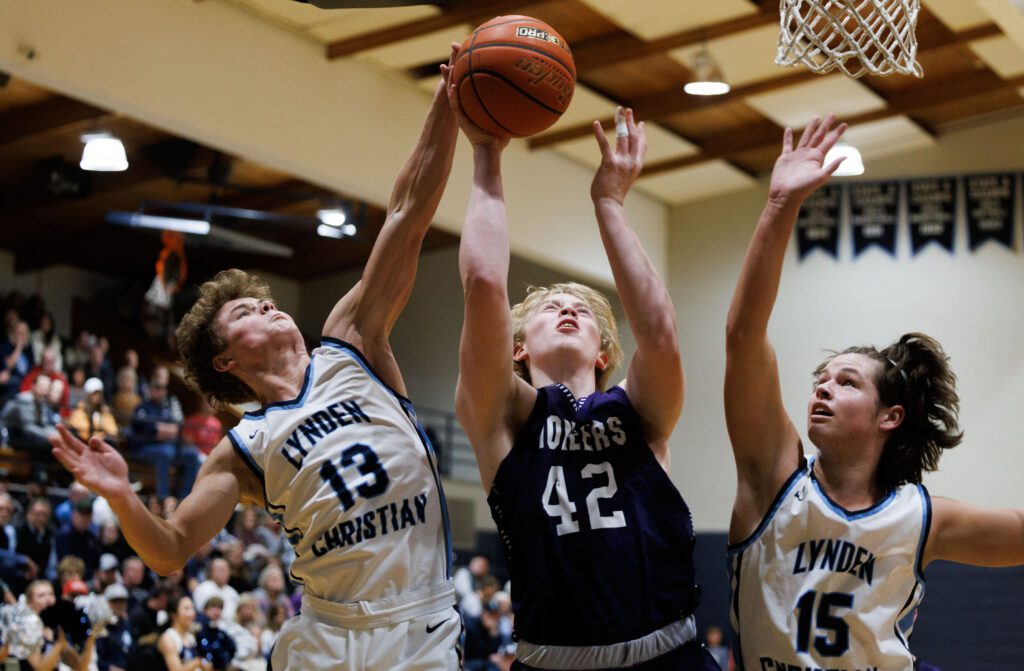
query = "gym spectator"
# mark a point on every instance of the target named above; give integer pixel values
(93, 417)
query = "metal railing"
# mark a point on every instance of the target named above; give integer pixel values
(455, 456)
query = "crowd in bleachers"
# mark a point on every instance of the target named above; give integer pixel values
(60, 545)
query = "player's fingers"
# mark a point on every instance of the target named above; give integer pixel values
(787, 141)
(621, 131)
(65, 439)
(822, 130)
(805, 137)
(833, 137)
(834, 165)
(602, 141)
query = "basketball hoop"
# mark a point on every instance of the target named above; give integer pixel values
(855, 36)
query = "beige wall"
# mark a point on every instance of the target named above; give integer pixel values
(972, 302)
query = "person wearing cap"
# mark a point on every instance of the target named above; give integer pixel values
(106, 573)
(76, 538)
(92, 416)
(112, 650)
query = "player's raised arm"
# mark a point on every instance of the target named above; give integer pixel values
(654, 379)
(366, 314)
(763, 437)
(164, 545)
(487, 386)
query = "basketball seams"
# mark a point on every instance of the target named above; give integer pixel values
(511, 83)
(571, 71)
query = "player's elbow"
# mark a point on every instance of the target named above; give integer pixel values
(483, 282)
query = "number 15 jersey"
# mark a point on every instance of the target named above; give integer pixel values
(598, 540)
(350, 475)
(819, 586)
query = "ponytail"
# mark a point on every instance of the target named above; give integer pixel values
(918, 377)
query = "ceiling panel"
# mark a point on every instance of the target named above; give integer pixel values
(701, 181)
(796, 105)
(957, 14)
(652, 19)
(1001, 54)
(745, 57)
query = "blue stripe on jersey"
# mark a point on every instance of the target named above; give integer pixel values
(296, 402)
(410, 413)
(926, 524)
(247, 458)
(784, 491)
(851, 515)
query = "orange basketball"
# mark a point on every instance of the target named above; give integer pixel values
(515, 76)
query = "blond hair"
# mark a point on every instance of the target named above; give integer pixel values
(598, 304)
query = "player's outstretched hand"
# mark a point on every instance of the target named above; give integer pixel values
(621, 165)
(96, 465)
(800, 170)
(476, 135)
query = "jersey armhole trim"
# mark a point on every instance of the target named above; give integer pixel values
(787, 486)
(247, 459)
(926, 525)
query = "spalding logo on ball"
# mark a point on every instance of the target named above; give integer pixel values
(515, 76)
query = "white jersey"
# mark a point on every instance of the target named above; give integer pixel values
(351, 476)
(818, 587)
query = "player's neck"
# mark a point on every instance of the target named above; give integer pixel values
(580, 383)
(281, 379)
(850, 482)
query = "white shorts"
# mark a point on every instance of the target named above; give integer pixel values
(419, 631)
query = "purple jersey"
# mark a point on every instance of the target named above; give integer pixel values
(598, 540)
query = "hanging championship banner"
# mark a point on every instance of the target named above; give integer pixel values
(931, 208)
(874, 213)
(989, 200)
(817, 226)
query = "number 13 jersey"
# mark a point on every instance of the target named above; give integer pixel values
(350, 475)
(598, 540)
(818, 586)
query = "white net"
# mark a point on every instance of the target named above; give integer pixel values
(855, 36)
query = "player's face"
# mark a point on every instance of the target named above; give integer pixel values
(563, 325)
(251, 325)
(844, 403)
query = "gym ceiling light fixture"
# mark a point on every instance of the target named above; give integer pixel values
(708, 79)
(853, 163)
(103, 153)
(142, 220)
(334, 223)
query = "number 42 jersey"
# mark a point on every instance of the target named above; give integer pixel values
(349, 473)
(598, 539)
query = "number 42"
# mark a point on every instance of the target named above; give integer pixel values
(563, 509)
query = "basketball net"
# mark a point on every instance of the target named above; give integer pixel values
(855, 36)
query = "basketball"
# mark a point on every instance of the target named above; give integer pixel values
(515, 76)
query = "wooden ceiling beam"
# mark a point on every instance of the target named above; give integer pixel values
(674, 101)
(460, 12)
(46, 117)
(898, 105)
